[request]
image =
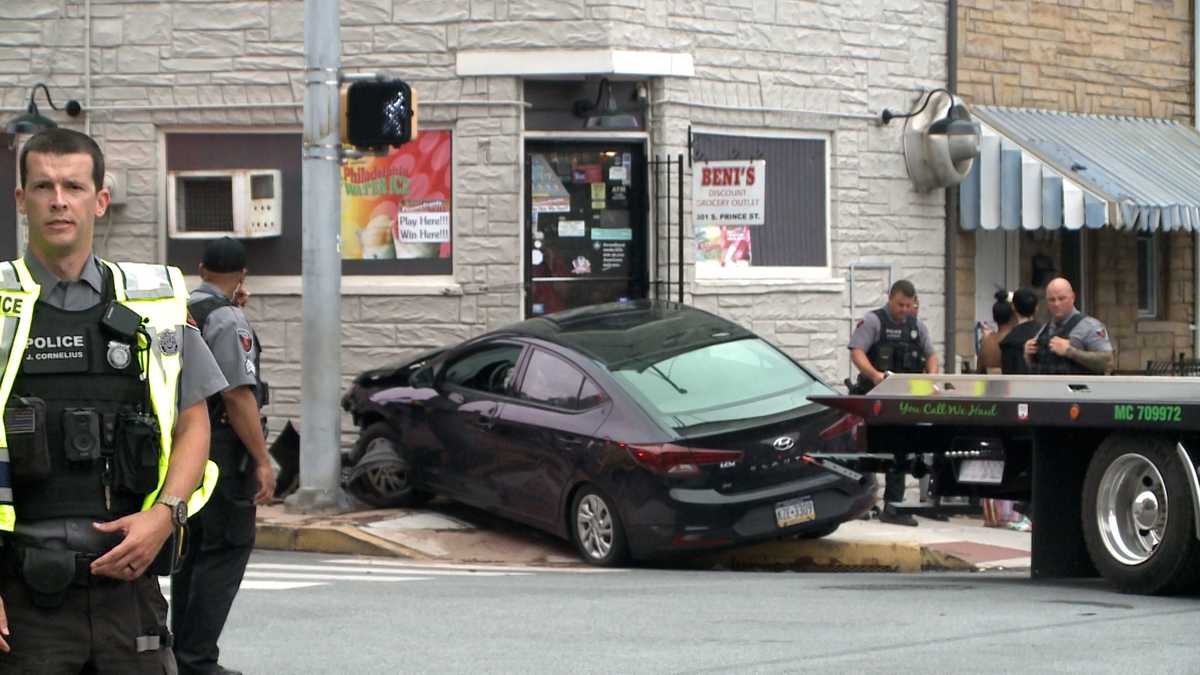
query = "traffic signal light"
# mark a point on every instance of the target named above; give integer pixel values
(378, 113)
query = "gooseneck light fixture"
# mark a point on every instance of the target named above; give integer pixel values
(32, 121)
(940, 141)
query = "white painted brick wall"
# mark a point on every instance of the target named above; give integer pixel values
(827, 55)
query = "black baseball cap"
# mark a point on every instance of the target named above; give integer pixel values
(224, 255)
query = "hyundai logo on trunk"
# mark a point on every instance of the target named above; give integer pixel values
(784, 443)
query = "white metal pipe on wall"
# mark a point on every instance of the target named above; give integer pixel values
(87, 64)
(274, 105)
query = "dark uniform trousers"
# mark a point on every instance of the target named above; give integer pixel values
(221, 540)
(90, 632)
(897, 350)
(893, 483)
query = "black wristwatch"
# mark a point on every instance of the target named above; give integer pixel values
(178, 507)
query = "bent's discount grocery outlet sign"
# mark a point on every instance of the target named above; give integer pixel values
(729, 192)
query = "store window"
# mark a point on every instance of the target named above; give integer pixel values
(193, 155)
(760, 206)
(396, 209)
(1148, 275)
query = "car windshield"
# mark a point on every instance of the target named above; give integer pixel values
(741, 379)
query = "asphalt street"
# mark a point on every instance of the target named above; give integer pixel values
(308, 613)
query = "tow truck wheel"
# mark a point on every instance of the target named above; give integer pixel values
(1139, 518)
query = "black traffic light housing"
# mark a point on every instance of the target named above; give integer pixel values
(378, 113)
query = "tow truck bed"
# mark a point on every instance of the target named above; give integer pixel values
(1104, 461)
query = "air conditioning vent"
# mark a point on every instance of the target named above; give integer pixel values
(245, 203)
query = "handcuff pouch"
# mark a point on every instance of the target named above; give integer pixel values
(48, 574)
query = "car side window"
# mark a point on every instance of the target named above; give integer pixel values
(550, 380)
(423, 377)
(420, 374)
(488, 370)
(590, 395)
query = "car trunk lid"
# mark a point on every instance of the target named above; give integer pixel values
(771, 452)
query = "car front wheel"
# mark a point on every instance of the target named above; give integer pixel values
(382, 477)
(596, 528)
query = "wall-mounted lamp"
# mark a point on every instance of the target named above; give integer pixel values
(940, 141)
(604, 113)
(31, 121)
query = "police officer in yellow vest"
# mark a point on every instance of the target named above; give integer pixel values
(105, 431)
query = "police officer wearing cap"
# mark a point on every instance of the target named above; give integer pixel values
(104, 430)
(1071, 343)
(892, 339)
(223, 534)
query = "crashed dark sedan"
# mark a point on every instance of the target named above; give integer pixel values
(632, 429)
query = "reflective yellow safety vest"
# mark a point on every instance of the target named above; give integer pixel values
(158, 294)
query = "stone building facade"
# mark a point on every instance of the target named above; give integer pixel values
(1110, 57)
(805, 70)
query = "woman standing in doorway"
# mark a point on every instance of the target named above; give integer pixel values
(989, 345)
(1012, 346)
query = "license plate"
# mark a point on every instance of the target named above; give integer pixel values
(794, 512)
(984, 471)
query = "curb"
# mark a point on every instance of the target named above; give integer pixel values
(334, 539)
(837, 556)
(818, 555)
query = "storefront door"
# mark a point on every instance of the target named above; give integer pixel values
(585, 224)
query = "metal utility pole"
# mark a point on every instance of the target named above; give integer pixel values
(320, 423)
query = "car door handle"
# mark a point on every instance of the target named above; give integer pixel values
(486, 421)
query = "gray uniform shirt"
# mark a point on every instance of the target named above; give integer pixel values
(1089, 334)
(228, 335)
(867, 332)
(200, 378)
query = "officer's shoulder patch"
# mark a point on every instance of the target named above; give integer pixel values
(245, 339)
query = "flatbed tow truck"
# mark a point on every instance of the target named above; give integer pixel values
(1108, 464)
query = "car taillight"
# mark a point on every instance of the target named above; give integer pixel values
(847, 424)
(676, 460)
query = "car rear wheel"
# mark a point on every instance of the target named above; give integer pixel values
(382, 477)
(596, 528)
(1139, 517)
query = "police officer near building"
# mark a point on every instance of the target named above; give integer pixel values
(1071, 343)
(105, 427)
(892, 339)
(223, 534)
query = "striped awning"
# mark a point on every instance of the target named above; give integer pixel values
(1045, 169)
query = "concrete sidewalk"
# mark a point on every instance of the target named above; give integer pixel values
(451, 533)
